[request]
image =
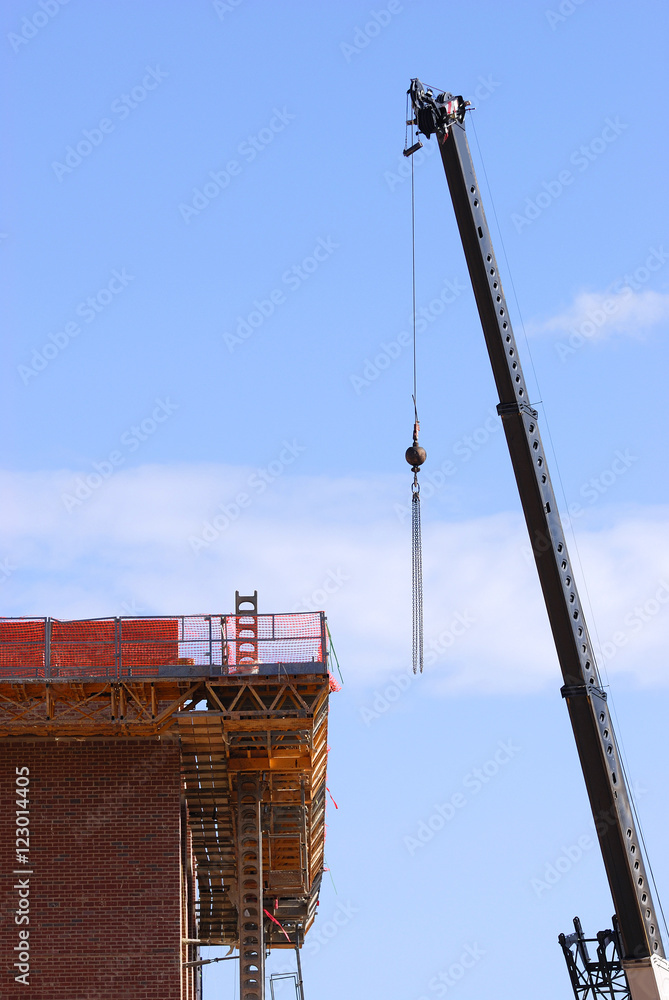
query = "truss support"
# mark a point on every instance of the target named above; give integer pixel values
(250, 889)
(600, 978)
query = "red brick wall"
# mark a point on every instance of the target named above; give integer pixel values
(104, 894)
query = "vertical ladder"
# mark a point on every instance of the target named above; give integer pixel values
(246, 631)
(250, 895)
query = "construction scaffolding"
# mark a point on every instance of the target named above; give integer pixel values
(246, 698)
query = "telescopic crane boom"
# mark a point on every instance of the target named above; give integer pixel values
(638, 934)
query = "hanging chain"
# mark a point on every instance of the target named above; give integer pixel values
(417, 576)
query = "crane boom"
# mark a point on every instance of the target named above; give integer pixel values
(640, 938)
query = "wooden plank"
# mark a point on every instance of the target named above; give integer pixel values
(269, 764)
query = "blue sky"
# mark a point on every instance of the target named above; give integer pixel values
(205, 387)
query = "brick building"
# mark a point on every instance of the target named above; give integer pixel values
(158, 778)
(105, 859)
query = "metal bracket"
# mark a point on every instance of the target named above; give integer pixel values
(513, 409)
(581, 691)
(413, 149)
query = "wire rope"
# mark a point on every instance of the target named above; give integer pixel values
(415, 455)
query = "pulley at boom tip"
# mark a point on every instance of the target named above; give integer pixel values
(433, 114)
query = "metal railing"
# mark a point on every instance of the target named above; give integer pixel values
(156, 646)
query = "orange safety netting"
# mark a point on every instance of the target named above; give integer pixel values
(295, 638)
(22, 645)
(115, 647)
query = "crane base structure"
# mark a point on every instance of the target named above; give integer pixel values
(602, 976)
(606, 975)
(163, 786)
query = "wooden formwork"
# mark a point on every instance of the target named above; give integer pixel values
(271, 726)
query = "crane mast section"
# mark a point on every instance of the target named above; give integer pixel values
(586, 701)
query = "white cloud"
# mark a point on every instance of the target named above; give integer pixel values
(599, 315)
(127, 549)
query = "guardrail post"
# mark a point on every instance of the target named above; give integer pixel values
(324, 648)
(47, 647)
(211, 647)
(118, 664)
(224, 645)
